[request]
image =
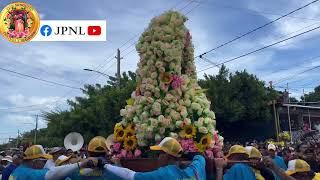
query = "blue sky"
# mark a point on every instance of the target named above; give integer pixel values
(211, 23)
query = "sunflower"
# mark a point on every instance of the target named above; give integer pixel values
(120, 135)
(188, 131)
(131, 126)
(129, 132)
(204, 142)
(130, 143)
(118, 127)
(200, 148)
(130, 101)
(166, 78)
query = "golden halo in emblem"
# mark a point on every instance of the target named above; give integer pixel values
(19, 22)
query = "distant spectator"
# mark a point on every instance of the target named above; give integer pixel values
(16, 161)
(279, 161)
(55, 152)
(69, 152)
(5, 162)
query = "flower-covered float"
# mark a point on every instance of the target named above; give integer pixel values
(168, 100)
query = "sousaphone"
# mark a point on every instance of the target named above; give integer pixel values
(73, 141)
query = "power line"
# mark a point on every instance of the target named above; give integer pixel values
(134, 36)
(196, 6)
(209, 61)
(42, 70)
(105, 71)
(309, 83)
(256, 12)
(296, 64)
(128, 52)
(260, 27)
(297, 74)
(22, 107)
(213, 63)
(265, 47)
(39, 79)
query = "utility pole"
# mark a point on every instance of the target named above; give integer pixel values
(118, 57)
(288, 93)
(304, 97)
(118, 67)
(289, 118)
(304, 102)
(275, 115)
(18, 139)
(35, 130)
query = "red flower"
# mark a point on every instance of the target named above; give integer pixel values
(176, 81)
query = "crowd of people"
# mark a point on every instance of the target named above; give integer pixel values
(256, 161)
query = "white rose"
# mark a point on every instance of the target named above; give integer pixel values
(203, 130)
(174, 135)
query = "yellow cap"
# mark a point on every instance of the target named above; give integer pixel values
(236, 149)
(61, 159)
(97, 144)
(35, 152)
(253, 152)
(296, 166)
(170, 146)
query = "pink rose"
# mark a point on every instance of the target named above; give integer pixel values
(209, 154)
(176, 82)
(22, 34)
(129, 154)
(137, 153)
(188, 145)
(218, 154)
(123, 153)
(217, 151)
(116, 147)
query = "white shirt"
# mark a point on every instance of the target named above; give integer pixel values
(49, 164)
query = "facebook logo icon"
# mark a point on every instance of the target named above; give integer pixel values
(46, 30)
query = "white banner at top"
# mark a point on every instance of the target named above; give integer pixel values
(72, 30)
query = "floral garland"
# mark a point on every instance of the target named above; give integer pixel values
(284, 136)
(167, 101)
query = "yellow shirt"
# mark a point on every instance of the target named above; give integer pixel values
(258, 174)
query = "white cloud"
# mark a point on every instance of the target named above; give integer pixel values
(290, 26)
(21, 100)
(18, 119)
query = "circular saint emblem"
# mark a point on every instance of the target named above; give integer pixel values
(19, 22)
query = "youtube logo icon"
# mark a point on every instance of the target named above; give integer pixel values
(94, 30)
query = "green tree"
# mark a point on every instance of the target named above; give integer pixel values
(240, 101)
(92, 114)
(313, 96)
